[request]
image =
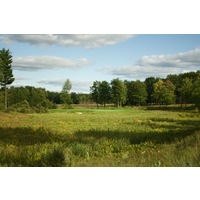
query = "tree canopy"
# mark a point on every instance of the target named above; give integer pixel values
(6, 75)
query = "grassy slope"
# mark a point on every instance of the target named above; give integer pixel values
(100, 137)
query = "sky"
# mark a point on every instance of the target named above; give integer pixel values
(47, 60)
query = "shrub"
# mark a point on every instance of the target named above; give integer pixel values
(55, 157)
(22, 107)
(80, 149)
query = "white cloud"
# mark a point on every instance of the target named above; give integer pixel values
(34, 63)
(141, 72)
(57, 82)
(77, 85)
(186, 59)
(159, 65)
(76, 40)
(21, 78)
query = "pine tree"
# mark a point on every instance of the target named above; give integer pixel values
(6, 73)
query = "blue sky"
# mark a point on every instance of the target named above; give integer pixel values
(48, 60)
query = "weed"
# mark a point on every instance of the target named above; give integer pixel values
(103, 137)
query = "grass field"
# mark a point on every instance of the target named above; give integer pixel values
(101, 137)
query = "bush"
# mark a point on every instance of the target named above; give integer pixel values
(79, 149)
(22, 107)
(55, 157)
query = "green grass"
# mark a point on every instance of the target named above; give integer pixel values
(101, 137)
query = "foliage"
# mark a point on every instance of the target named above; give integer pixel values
(118, 92)
(186, 90)
(137, 93)
(164, 92)
(1, 71)
(67, 87)
(28, 99)
(150, 89)
(101, 137)
(95, 92)
(54, 97)
(6, 76)
(64, 95)
(66, 99)
(22, 107)
(104, 93)
(75, 98)
(196, 93)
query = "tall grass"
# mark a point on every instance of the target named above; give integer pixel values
(103, 137)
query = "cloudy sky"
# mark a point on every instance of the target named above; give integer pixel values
(48, 60)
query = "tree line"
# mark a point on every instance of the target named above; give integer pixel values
(28, 98)
(181, 89)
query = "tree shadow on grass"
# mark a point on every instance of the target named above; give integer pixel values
(168, 136)
(171, 108)
(28, 136)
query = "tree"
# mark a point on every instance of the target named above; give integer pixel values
(1, 71)
(54, 97)
(104, 93)
(136, 93)
(28, 99)
(196, 93)
(118, 92)
(67, 86)
(84, 98)
(186, 90)
(75, 98)
(64, 95)
(17, 94)
(164, 92)
(95, 92)
(6, 73)
(150, 89)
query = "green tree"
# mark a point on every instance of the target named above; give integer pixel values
(64, 95)
(186, 90)
(1, 71)
(84, 98)
(6, 73)
(67, 86)
(150, 89)
(164, 92)
(53, 97)
(104, 93)
(75, 98)
(118, 92)
(196, 93)
(137, 93)
(95, 92)
(17, 94)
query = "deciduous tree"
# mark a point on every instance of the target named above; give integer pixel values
(186, 90)
(104, 93)
(150, 89)
(64, 95)
(137, 93)
(95, 92)
(164, 92)
(196, 93)
(119, 92)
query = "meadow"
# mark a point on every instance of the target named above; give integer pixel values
(106, 137)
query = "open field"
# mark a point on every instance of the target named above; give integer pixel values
(101, 137)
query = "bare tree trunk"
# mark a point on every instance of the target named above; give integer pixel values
(5, 99)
